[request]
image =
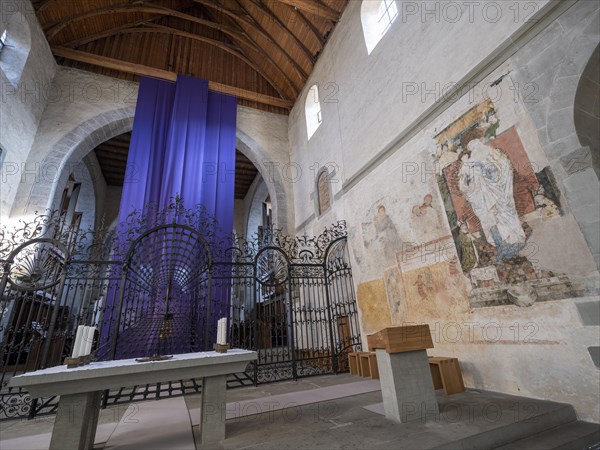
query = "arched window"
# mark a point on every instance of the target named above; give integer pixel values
(377, 16)
(15, 47)
(323, 191)
(312, 110)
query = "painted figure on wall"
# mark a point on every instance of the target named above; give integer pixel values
(395, 295)
(490, 192)
(386, 233)
(423, 208)
(486, 180)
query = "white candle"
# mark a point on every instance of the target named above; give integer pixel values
(78, 340)
(222, 331)
(219, 331)
(88, 340)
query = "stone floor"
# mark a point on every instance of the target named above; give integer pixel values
(327, 412)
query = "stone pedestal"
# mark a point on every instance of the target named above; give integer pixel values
(76, 421)
(406, 385)
(212, 411)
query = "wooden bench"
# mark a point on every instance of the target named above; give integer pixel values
(368, 364)
(363, 364)
(446, 374)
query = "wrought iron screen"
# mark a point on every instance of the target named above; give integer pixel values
(289, 298)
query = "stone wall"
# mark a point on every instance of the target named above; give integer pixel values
(93, 108)
(509, 304)
(24, 91)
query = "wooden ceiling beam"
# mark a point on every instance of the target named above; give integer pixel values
(269, 12)
(315, 8)
(311, 26)
(110, 167)
(157, 29)
(251, 22)
(106, 33)
(43, 5)
(124, 8)
(103, 157)
(114, 145)
(139, 69)
(103, 153)
(299, 70)
(253, 46)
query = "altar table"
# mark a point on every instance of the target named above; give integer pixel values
(80, 390)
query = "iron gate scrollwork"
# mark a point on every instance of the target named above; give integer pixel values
(158, 285)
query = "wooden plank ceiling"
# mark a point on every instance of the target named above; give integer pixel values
(112, 157)
(260, 50)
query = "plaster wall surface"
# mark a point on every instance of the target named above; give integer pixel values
(23, 98)
(368, 99)
(93, 108)
(381, 141)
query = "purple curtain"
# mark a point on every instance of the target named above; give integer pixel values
(182, 144)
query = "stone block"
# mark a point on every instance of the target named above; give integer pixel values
(595, 354)
(584, 179)
(591, 234)
(589, 313)
(577, 161)
(547, 60)
(540, 43)
(406, 386)
(563, 92)
(583, 197)
(538, 111)
(543, 136)
(575, 15)
(560, 124)
(562, 147)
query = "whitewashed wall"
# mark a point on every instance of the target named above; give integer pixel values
(22, 103)
(380, 113)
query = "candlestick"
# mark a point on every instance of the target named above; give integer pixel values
(78, 340)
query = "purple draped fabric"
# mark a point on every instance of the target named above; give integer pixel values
(182, 144)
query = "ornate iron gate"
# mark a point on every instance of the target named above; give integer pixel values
(290, 299)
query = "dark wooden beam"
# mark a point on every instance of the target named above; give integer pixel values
(257, 49)
(285, 29)
(249, 21)
(138, 69)
(136, 8)
(311, 26)
(158, 29)
(315, 8)
(299, 70)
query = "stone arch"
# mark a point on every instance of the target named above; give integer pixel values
(72, 148)
(564, 54)
(68, 153)
(271, 175)
(259, 195)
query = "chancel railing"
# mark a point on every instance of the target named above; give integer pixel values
(157, 285)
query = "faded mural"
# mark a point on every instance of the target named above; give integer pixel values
(490, 192)
(474, 227)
